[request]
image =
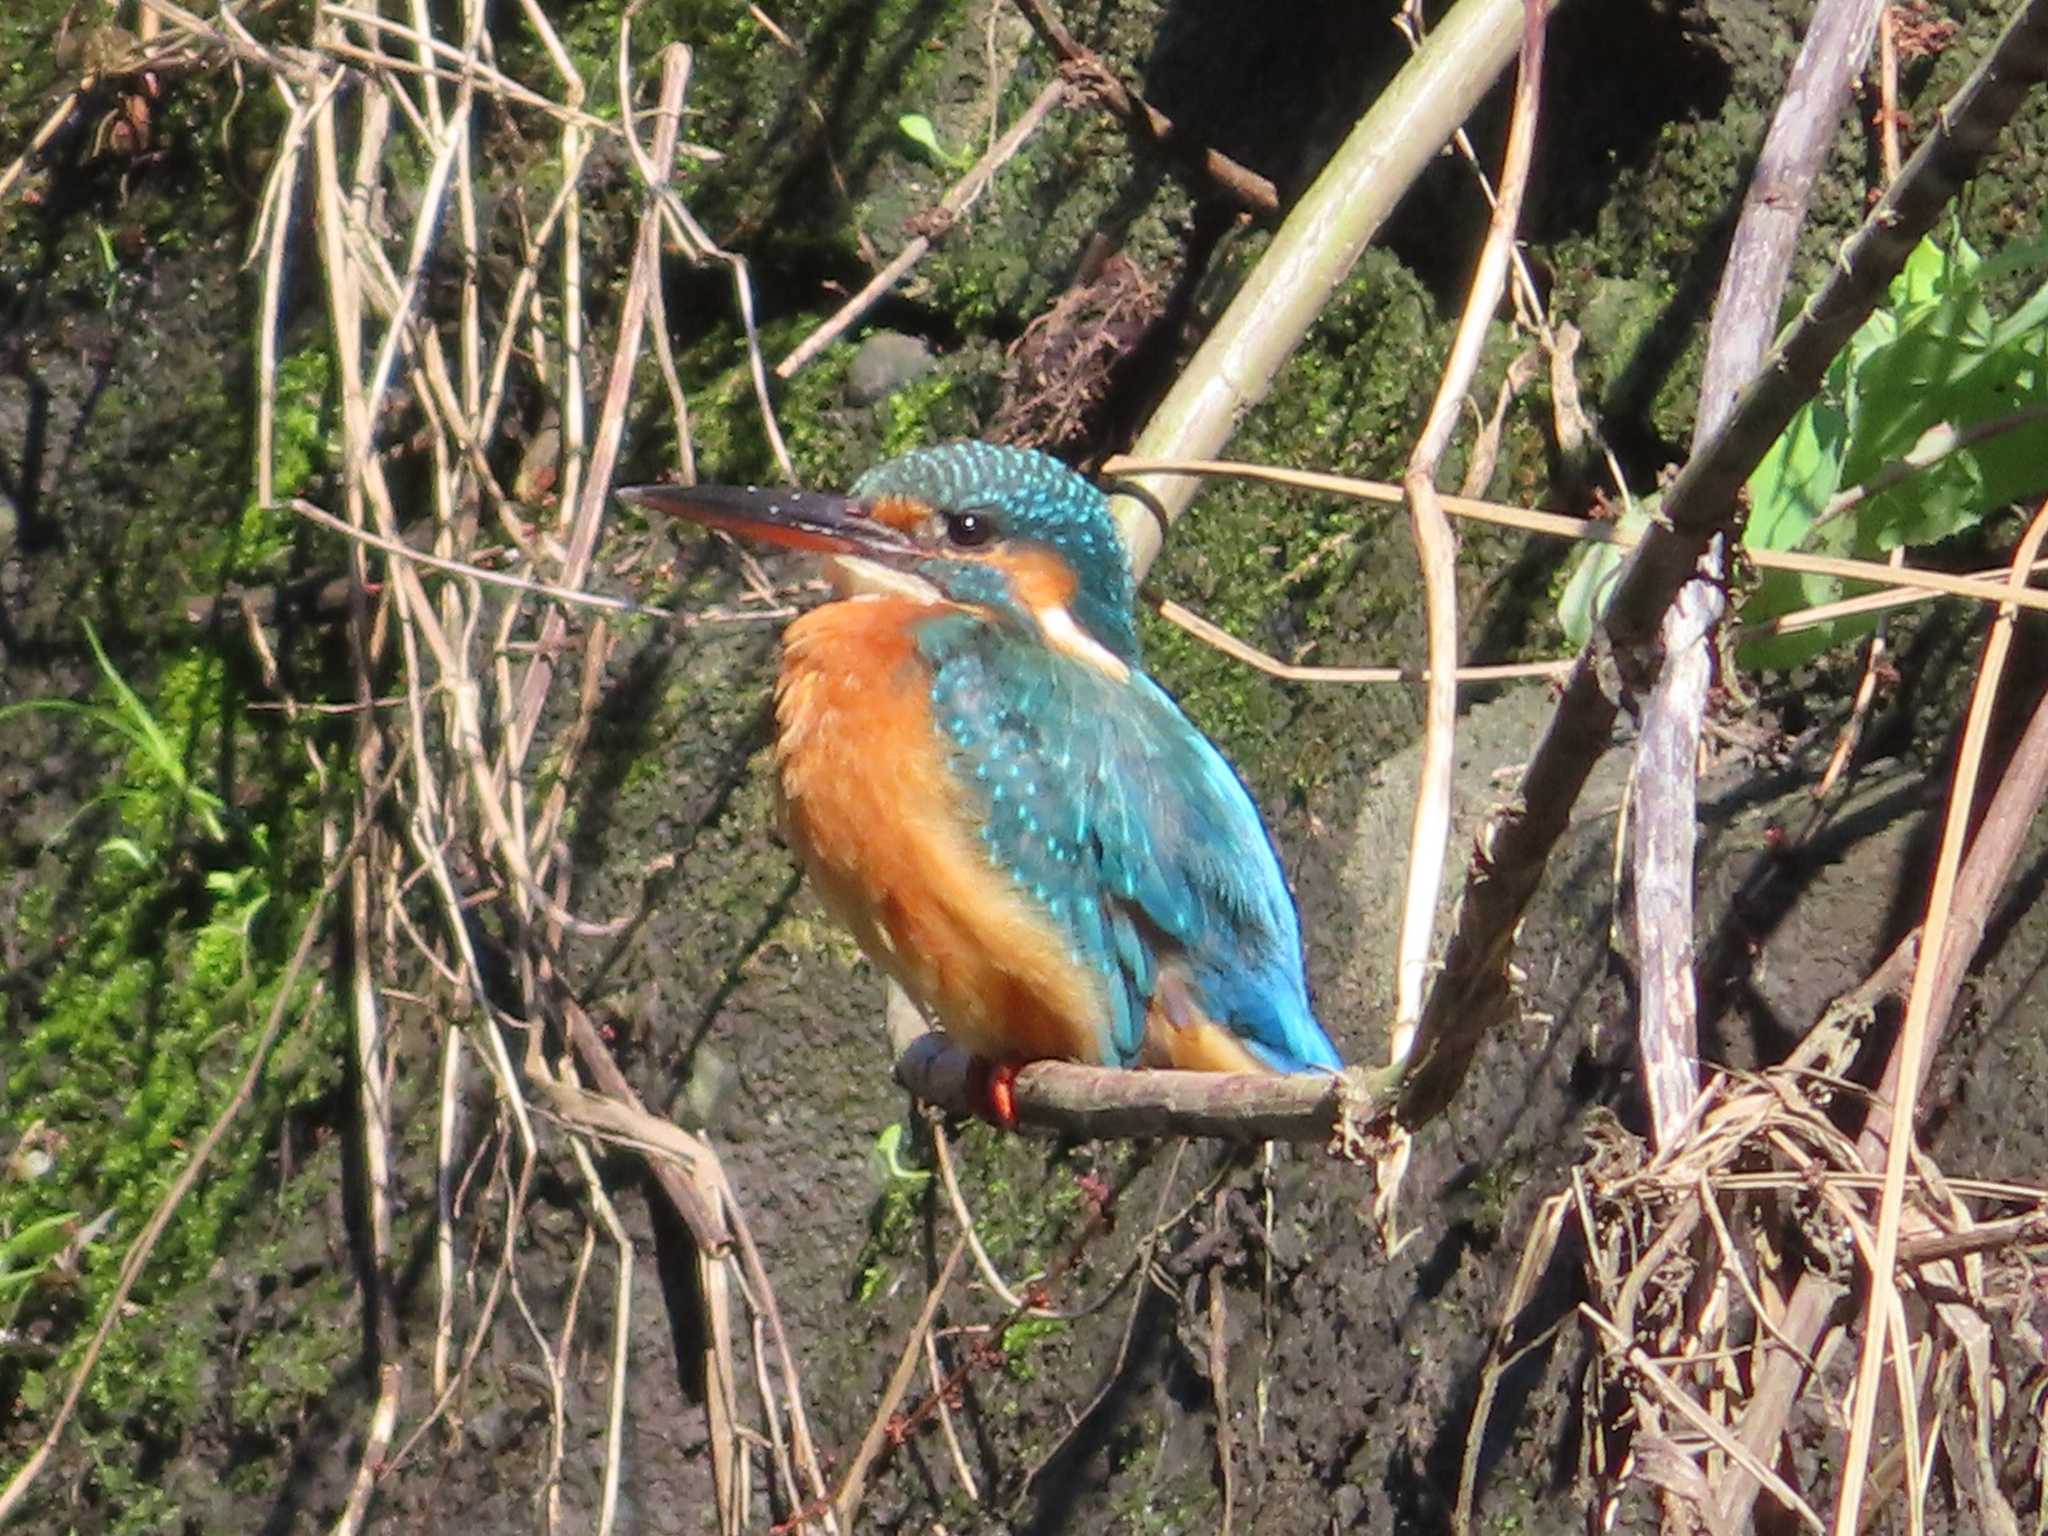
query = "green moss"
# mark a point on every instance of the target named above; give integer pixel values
(165, 956)
(1313, 579)
(928, 410)
(302, 449)
(286, 1368)
(1024, 1341)
(898, 1212)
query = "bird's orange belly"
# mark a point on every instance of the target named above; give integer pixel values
(890, 843)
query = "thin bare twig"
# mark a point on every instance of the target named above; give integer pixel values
(1436, 548)
(1221, 639)
(1436, 551)
(958, 199)
(1984, 587)
(876, 1440)
(942, 1150)
(622, 1338)
(1206, 171)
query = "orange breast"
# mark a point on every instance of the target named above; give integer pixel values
(890, 842)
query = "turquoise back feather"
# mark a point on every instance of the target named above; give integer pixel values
(1119, 818)
(1131, 831)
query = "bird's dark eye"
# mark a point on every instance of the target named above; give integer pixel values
(969, 529)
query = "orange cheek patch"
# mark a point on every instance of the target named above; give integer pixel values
(1040, 580)
(903, 513)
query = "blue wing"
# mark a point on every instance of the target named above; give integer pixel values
(1128, 826)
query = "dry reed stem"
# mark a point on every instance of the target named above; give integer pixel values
(448, 1120)
(1671, 1321)
(1436, 551)
(373, 1104)
(1914, 1034)
(1537, 1251)
(622, 1338)
(1699, 1420)
(460, 398)
(51, 125)
(731, 1482)
(551, 1479)
(846, 1503)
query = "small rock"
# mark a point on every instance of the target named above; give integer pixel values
(886, 362)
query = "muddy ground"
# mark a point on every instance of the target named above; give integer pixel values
(236, 1396)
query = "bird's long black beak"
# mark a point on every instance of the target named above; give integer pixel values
(821, 521)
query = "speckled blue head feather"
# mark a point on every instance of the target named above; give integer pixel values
(1032, 499)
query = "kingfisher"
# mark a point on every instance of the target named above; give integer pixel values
(1016, 823)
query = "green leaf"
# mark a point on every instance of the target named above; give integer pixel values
(1801, 472)
(1938, 361)
(39, 1240)
(127, 848)
(888, 1157)
(918, 128)
(1592, 579)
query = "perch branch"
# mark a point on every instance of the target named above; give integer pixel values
(1473, 990)
(1105, 1102)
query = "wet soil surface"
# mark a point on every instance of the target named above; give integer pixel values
(1244, 1338)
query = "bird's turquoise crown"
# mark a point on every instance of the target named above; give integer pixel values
(1018, 496)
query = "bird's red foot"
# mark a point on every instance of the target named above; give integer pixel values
(997, 1093)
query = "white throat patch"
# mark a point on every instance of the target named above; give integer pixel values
(856, 576)
(1070, 639)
